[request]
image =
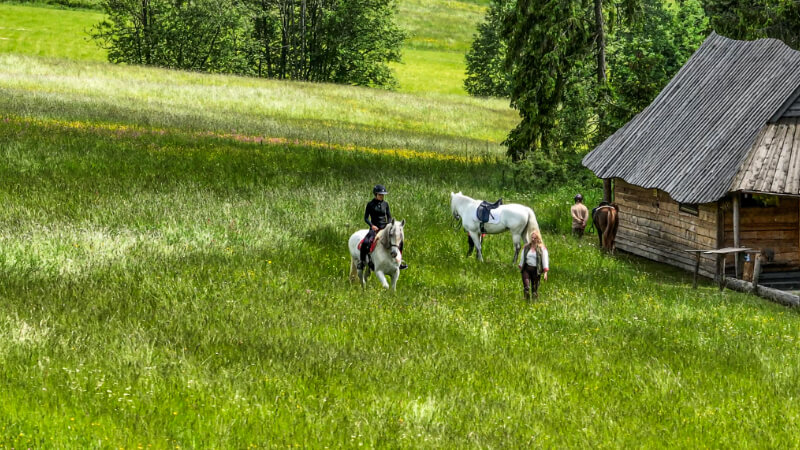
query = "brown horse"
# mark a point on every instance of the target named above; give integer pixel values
(605, 219)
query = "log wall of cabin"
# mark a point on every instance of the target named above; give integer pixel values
(774, 227)
(652, 226)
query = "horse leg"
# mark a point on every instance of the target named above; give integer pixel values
(471, 245)
(382, 278)
(395, 276)
(599, 235)
(476, 238)
(362, 275)
(353, 269)
(516, 238)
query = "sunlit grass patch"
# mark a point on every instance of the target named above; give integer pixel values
(49, 32)
(154, 98)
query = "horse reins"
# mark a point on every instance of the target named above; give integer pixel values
(456, 219)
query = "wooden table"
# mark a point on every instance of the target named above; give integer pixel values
(721, 253)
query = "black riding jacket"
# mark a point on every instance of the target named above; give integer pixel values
(377, 213)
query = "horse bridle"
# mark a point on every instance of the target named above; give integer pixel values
(456, 220)
(392, 238)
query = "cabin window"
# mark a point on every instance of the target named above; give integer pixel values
(759, 201)
(689, 208)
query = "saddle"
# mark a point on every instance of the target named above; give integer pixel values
(371, 244)
(484, 212)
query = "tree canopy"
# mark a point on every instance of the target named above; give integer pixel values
(341, 41)
(575, 75)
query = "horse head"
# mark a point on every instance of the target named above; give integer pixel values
(455, 201)
(394, 236)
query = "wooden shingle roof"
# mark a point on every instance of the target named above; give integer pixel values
(773, 164)
(696, 135)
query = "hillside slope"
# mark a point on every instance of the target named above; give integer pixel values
(344, 115)
(439, 33)
(170, 280)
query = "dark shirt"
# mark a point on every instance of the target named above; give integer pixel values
(377, 213)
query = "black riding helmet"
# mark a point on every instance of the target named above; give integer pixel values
(379, 189)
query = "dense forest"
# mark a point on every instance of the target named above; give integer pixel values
(576, 70)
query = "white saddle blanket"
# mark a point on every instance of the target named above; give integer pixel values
(494, 216)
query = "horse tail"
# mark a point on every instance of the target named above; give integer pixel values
(610, 231)
(531, 225)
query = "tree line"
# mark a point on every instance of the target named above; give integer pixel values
(577, 70)
(340, 41)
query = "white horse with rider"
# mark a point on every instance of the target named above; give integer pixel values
(518, 219)
(385, 258)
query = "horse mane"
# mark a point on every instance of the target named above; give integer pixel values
(381, 233)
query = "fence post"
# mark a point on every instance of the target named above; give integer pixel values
(756, 273)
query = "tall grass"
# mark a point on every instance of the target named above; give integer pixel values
(170, 290)
(173, 273)
(62, 90)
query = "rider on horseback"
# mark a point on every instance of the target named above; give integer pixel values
(377, 216)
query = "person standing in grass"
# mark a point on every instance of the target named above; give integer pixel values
(534, 265)
(377, 215)
(579, 216)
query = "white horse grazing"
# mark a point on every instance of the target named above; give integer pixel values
(519, 219)
(386, 257)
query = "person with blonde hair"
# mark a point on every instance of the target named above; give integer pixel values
(534, 264)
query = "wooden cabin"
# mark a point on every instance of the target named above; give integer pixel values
(714, 161)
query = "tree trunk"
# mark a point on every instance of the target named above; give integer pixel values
(601, 42)
(608, 195)
(146, 37)
(284, 40)
(602, 126)
(302, 40)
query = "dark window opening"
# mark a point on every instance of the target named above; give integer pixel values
(759, 201)
(689, 208)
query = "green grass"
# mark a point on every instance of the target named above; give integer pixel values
(170, 290)
(439, 34)
(63, 90)
(168, 283)
(425, 71)
(34, 30)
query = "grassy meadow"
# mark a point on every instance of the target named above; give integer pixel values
(174, 264)
(439, 34)
(35, 30)
(310, 112)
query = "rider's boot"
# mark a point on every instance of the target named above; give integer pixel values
(403, 266)
(363, 261)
